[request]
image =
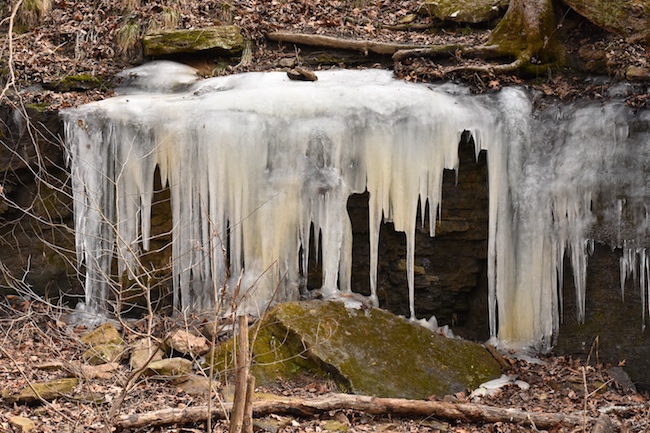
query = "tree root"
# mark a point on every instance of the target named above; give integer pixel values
(467, 412)
(401, 52)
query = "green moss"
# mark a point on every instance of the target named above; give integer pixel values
(79, 82)
(534, 43)
(38, 106)
(328, 59)
(366, 351)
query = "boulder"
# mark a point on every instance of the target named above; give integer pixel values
(225, 40)
(624, 17)
(465, 11)
(365, 351)
(42, 391)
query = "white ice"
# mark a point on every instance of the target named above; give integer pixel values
(254, 160)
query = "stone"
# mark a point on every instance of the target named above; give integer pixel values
(334, 425)
(104, 334)
(21, 424)
(365, 351)
(39, 391)
(623, 17)
(198, 385)
(103, 353)
(103, 371)
(287, 62)
(301, 74)
(171, 368)
(183, 342)
(142, 351)
(81, 82)
(637, 73)
(465, 11)
(621, 378)
(226, 40)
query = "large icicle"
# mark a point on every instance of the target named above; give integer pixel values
(255, 161)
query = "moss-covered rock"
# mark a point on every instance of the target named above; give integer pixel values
(70, 83)
(104, 334)
(465, 11)
(225, 40)
(366, 351)
(39, 391)
(103, 354)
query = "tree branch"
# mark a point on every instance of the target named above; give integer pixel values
(467, 412)
(339, 43)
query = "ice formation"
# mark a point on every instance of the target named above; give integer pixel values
(254, 160)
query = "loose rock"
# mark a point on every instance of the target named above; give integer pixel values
(187, 344)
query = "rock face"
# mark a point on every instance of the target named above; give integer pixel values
(613, 330)
(623, 17)
(463, 11)
(366, 351)
(222, 39)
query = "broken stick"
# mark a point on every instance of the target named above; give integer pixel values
(467, 412)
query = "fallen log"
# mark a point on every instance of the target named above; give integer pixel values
(466, 412)
(323, 41)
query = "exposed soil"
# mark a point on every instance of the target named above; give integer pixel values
(34, 334)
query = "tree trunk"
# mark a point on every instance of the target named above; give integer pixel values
(528, 32)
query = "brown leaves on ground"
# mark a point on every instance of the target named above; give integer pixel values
(32, 333)
(100, 38)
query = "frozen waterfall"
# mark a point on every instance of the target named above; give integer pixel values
(254, 160)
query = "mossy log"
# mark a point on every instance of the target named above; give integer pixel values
(466, 412)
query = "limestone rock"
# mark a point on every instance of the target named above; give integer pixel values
(366, 351)
(103, 371)
(221, 39)
(141, 352)
(637, 73)
(623, 17)
(104, 334)
(187, 344)
(46, 390)
(103, 353)
(198, 385)
(465, 11)
(21, 424)
(171, 368)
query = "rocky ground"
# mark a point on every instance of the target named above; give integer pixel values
(38, 346)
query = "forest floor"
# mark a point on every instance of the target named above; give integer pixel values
(34, 337)
(96, 38)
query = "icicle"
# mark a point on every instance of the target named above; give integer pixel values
(255, 161)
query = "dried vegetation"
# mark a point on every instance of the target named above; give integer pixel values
(37, 345)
